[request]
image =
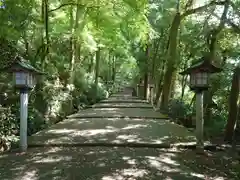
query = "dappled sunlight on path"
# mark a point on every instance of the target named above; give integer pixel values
(113, 130)
(122, 105)
(103, 164)
(119, 112)
(130, 120)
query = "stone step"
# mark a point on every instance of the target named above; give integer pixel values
(79, 116)
(143, 113)
(121, 105)
(124, 101)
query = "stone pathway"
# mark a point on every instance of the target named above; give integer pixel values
(119, 120)
(113, 122)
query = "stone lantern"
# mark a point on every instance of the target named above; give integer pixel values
(150, 91)
(140, 88)
(199, 82)
(24, 76)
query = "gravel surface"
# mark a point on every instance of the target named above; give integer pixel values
(105, 164)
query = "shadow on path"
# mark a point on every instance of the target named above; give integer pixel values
(115, 131)
(108, 164)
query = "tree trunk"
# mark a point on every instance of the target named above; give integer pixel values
(90, 67)
(173, 85)
(159, 85)
(44, 33)
(184, 84)
(109, 66)
(47, 30)
(208, 99)
(145, 85)
(146, 71)
(171, 63)
(113, 69)
(97, 67)
(71, 38)
(26, 43)
(193, 99)
(43, 46)
(154, 58)
(233, 106)
(75, 54)
(97, 53)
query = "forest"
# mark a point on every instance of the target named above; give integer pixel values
(90, 48)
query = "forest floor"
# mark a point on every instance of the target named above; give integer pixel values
(70, 149)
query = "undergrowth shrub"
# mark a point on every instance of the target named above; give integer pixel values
(9, 127)
(178, 109)
(216, 125)
(184, 114)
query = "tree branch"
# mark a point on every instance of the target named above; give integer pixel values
(237, 10)
(69, 4)
(189, 3)
(201, 8)
(223, 17)
(212, 37)
(178, 6)
(63, 5)
(235, 27)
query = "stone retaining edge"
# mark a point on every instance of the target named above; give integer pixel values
(122, 117)
(211, 147)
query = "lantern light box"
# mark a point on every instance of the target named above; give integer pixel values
(200, 73)
(24, 74)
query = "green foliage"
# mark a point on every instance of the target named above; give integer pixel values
(178, 109)
(8, 123)
(36, 120)
(216, 126)
(9, 127)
